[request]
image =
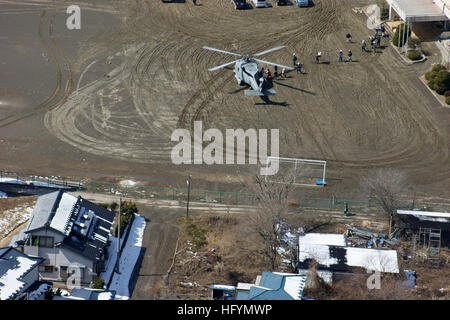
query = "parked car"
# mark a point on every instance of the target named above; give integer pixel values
(261, 3)
(240, 4)
(302, 3)
(281, 2)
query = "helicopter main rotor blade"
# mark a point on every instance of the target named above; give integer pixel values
(275, 64)
(267, 51)
(223, 65)
(223, 51)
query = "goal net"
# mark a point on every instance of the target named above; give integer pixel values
(302, 171)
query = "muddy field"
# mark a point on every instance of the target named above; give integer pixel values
(103, 101)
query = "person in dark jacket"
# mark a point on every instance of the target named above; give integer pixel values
(299, 67)
(349, 37)
(294, 59)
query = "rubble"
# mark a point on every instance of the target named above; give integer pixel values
(363, 238)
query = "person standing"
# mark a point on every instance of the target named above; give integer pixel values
(299, 67)
(318, 55)
(294, 59)
(349, 37)
(283, 73)
(378, 41)
(383, 30)
(275, 72)
(363, 45)
(340, 56)
(350, 55)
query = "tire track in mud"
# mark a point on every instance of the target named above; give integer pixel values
(53, 101)
(172, 57)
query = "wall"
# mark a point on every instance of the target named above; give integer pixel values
(59, 256)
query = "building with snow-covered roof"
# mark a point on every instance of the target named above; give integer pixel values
(420, 10)
(70, 234)
(18, 272)
(331, 252)
(88, 294)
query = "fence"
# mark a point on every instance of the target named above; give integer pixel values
(40, 181)
(334, 204)
(180, 194)
(169, 193)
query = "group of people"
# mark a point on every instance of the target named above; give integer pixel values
(341, 55)
(374, 40)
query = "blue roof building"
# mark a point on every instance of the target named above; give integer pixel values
(275, 286)
(268, 286)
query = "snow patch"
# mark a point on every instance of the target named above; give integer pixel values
(11, 283)
(33, 183)
(12, 218)
(104, 296)
(128, 183)
(128, 259)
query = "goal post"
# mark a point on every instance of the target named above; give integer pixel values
(305, 172)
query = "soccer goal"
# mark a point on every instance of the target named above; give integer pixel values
(303, 171)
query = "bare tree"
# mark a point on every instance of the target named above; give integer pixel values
(385, 187)
(272, 200)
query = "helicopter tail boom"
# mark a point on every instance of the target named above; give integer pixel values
(254, 93)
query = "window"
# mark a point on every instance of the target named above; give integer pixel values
(46, 268)
(46, 242)
(64, 272)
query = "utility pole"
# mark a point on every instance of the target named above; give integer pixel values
(188, 195)
(118, 237)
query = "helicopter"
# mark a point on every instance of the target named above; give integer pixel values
(246, 71)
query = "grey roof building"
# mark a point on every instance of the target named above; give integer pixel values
(18, 272)
(68, 232)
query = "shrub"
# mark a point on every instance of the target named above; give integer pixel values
(431, 84)
(447, 100)
(414, 55)
(430, 75)
(98, 283)
(438, 67)
(438, 79)
(442, 81)
(447, 93)
(197, 235)
(128, 209)
(400, 29)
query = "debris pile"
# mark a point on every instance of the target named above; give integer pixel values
(367, 239)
